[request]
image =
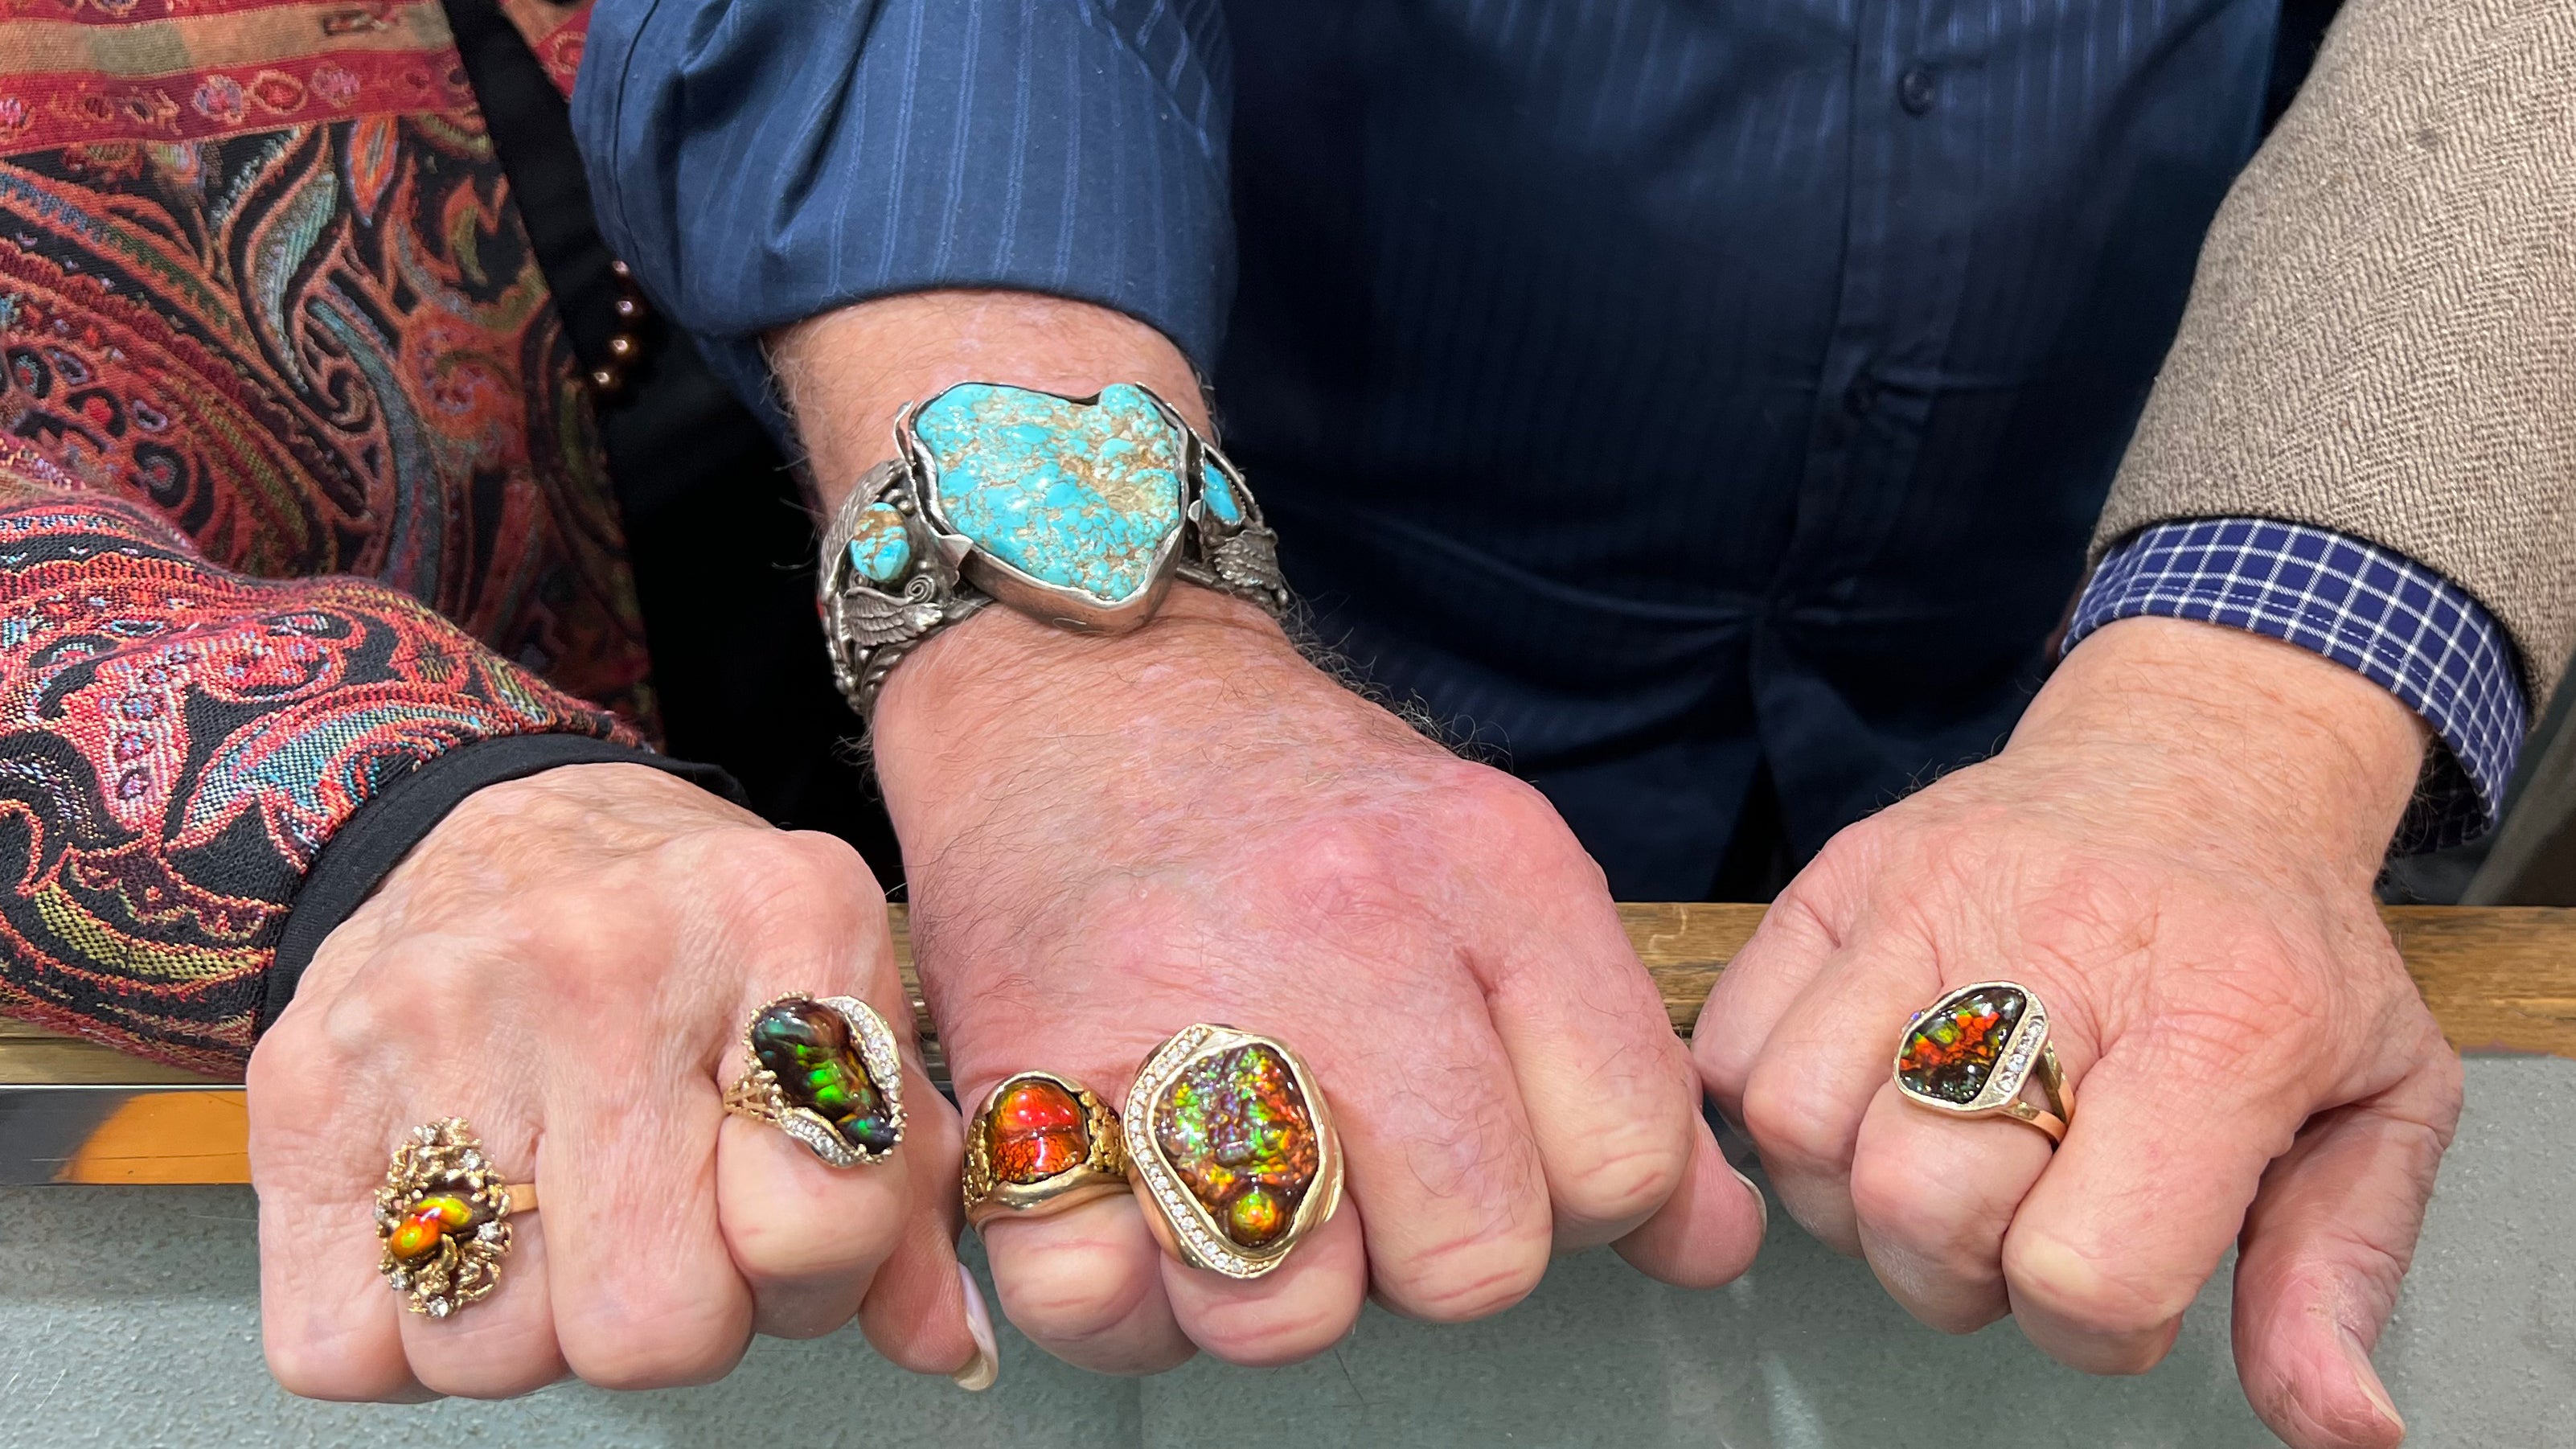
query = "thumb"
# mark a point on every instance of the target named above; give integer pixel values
(2327, 1241)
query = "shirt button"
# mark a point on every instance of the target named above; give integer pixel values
(1861, 396)
(1916, 90)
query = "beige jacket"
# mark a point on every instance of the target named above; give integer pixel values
(2381, 338)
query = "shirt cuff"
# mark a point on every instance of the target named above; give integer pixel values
(758, 162)
(2401, 625)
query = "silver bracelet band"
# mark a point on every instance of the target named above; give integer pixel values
(896, 571)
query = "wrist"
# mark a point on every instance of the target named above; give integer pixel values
(2247, 739)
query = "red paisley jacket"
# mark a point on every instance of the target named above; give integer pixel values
(299, 487)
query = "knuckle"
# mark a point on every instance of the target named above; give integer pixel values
(1624, 1174)
(675, 1344)
(1930, 1217)
(1255, 1333)
(2073, 1286)
(1794, 1126)
(1467, 1278)
(1057, 1294)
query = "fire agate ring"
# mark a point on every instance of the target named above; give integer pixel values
(443, 1218)
(824, 1070)
(1040, 1144)
(1229, 1139)
(1972, 1052)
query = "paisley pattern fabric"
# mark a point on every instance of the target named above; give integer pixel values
(298, 483)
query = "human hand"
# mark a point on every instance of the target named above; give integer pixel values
(2176, 851)
(568, 961)
(1110, 839)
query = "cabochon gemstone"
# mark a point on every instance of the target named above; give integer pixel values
(809, 1048)
(1036, 1130)
(880, 547)
(1218, 493)
(428, 1221)
(1072, 494)
(1235, 1126)
(1950, 1054)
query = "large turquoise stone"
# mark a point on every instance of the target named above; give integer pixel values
(1073, 494)
(880, 547)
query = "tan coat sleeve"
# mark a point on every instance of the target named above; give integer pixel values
(2381, 338)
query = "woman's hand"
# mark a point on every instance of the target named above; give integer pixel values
(568, 962)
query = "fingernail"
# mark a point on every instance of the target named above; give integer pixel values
(2368, 1378)
(978, 1376)
(1761, 1204)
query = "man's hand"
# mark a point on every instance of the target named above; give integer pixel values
(567, 962)
(2176, 851)
(1109, 839)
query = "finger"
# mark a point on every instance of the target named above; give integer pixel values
(2150, 1188)
(1782, 961)
(923, 1311)
(1086, 1285)
(1437, 1143)
(2329, 1237)
(1296, 1311)
(808, 1237)
(1933, 1196)
(1823, 1065)
(1611, 1099)
(642, 1283)
(503, 1346)
(1707, 1232)
(327, 1321)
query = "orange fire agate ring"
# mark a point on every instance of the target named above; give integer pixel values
(1973, 1051)
(443, 1218)
(1230, 1141)
(1040, 1144)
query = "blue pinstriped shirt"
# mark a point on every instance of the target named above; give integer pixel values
(1678, 395)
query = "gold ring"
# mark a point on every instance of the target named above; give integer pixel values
(1040, 1144)
(1971, 1053)
(825, 1071)
(443, 1217)
(1229, 1138)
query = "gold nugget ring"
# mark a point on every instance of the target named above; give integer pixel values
(1040, 1144)
(443, 1216)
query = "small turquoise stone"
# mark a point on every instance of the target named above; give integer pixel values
(1219, 495)
(1077, 495)
(881, 548)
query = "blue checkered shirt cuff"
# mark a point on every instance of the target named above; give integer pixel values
(2405, 627)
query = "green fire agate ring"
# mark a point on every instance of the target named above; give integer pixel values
(1230, 1140)
(824, 1070)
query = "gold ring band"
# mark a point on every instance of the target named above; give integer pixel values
(1040, 1144)
(443, 1219)
(1230, 1142)
(1972, 1053)
(825, 1070)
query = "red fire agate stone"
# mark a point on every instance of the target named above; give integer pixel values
(1036, 1130)
(1235, 1126)
(1950, 1053)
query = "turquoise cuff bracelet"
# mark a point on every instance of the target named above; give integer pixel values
(1079, 512)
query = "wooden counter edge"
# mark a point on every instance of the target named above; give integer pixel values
(2498, 978)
